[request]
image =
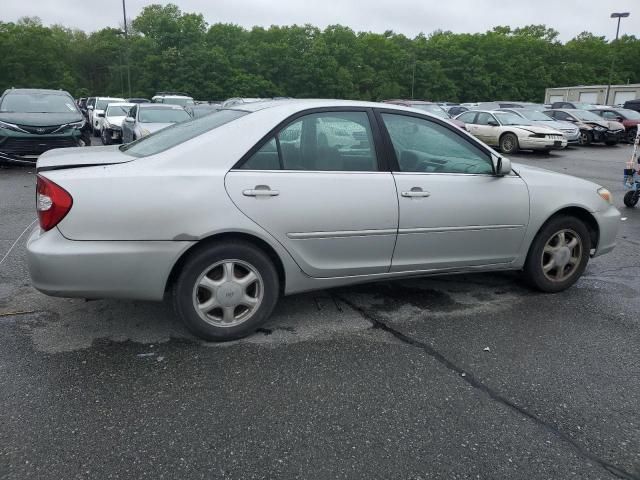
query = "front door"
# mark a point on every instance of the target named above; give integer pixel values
(454, 212)
(487, 128)
(316, 187)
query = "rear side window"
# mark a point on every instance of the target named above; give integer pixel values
(179, 133)
(328, 141)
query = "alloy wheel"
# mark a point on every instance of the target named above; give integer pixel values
(228, 293)
(561, 255)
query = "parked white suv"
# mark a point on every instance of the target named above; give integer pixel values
(96, 112)
(173, 98)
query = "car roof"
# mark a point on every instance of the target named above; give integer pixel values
(37, 90)
(303, 104)
(413, 102)
(121, 104)
(110, 98)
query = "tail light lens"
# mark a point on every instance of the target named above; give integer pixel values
(53, 203)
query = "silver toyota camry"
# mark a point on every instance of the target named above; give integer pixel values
(225, 213)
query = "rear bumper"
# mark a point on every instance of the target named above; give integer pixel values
(609, 223)
(100, 269)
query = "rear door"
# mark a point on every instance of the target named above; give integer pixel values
(318, 187)
(454, 212)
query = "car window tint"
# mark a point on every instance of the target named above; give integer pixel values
(484, 118)
(332, 141)
(425, 146)
(264, 159)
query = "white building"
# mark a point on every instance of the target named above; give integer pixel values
(593, 94)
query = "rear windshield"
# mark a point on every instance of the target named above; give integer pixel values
(103, 102)
(163, 115)
(179, 133)
(118, 110)
(37, 103)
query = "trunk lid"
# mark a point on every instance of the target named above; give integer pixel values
(77, 157)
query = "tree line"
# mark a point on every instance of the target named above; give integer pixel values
(168, 49)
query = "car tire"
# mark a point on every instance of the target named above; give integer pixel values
(585, 138)
(631, 135)
(106, 139)
(553, 264)
(509, 143)
(631, 199)
(226, 291)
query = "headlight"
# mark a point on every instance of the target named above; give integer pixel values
(11, 126)
(605, 195)
(601, 129)
(144, 132)
(537, 135)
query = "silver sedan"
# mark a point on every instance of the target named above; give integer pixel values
(225, 213)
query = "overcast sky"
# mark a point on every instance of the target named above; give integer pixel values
(409, 17)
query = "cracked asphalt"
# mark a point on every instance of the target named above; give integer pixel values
(471, 376)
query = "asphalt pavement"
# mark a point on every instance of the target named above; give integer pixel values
(472, 376)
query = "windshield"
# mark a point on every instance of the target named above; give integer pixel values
(536, 116)
(178, 101)
(118, 110)
(103, 102)
(586, 115)
(437, 110)
(629, 114)
(506, 118)
(38, 103)
(163, 115)
(179, 133)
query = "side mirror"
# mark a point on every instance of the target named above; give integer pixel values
(101, 115)
(493, 123)
(129, 119)
(502, 166)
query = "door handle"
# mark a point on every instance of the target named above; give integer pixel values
(415, 192)
(260, 191)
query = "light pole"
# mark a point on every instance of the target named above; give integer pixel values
(617, 15)
(413, 77)
(126, 48)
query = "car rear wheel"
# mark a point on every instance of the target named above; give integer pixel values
(509, 143)
(631, 198)
(227, 291)
(631, 135)
(585, 138)
(558, 255)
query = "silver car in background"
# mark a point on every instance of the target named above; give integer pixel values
(225, 213)
(146, 118)
(569, 130)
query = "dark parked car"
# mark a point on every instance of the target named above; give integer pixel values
(632, 105)
(573, 105)
(629, 118)
(33, 121)
(138, 100)
(456, 110)
(202, 109)
(429, 107)
(593, 129)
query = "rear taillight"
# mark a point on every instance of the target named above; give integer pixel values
(53, 203)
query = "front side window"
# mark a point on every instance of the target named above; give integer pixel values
(484, 118)
(179, 133)
(425, 146)
(328, 141)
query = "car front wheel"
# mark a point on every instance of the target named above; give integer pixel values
(509, 143)
(226, 292)
(105, 137)
(585, 138)
(558, 255)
